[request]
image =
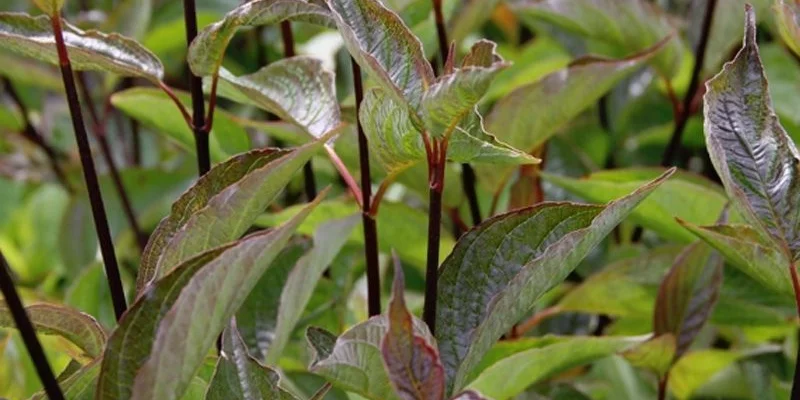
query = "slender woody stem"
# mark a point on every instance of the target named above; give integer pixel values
(105, 149)
(436, 187)
(196, 87)
(682, 116)
(796, 286)
(28, 332)
(662, 387)
(368, 221)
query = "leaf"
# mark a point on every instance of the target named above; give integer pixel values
(697, 368)
(411, 361)
(355, 363)
(499, 269)
(745, 248)
(469, 395)
(468, 16)
(53, 319)
(208, 48)
(239, 376)
(231, 200)
(687, 295)
(511, 375)
(155, 110)
(786, 16)
(321, 342)
(656, 354)
(628, 25)
(295, 89)
(386, 49)
(531, 114)
(685, 196)
(163, 337)
(50, 7)
(80, 385)
(754, 157)
(88, 50)
(296, 291)
(130, 18)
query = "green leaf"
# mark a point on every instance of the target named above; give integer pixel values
(222, 205)
(208, 48)
(163, 337)
(628, 26)
(786, 16)
(697, 368)
(498, 270)
(686, 196)
(531, 114)
(155, 110)
(472, 143)
(755, 158)
(52, 319)
(469, 395)
(468, 16)
(296, 89)
(746, 249)
(412, 362)
(386, 49)
(687, 295)
(130, 18)
(321, 342)
(50, 7)
(392, 138)
(355, 363)
(23, 70)
(88, 50)
(239, 376)
(509, 376)
(656, 354)
(81, 385)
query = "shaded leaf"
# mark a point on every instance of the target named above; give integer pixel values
(412, 362)
(80, 385)
(786, 16)
(755, 158)
(295, 89)
(468, 16)
(88, 50)
(498, 270)
(130, 18)
(208, 48)
(53, 319)
(50, 7)
(321, 341)
(656, 354)
(166, 316)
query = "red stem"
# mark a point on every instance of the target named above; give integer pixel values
(796, 286)
(198, 104)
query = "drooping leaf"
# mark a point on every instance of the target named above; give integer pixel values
(655, 355)
(533, 113)
(155, 110)
(510, 375)
(412, 362)
(52, 319)
(386, 49)
(498, 270)
(786, 16)
(183, 312)
(239, 376)
(687, 196)
(755, 158)
(746, 249)
(88, 50)
(687, 295)
(295, 89)
(208, 49)
(627, 25)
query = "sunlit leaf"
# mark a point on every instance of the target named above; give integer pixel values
(755, 158)
(655, 355)
(163, 337)
(499, 269)
(786, 16)
(208, 49)
(697, 368)
(88, 50)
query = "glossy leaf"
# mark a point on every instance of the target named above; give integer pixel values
(687, 295)
(687, 196)
(786, 16)
(52, 319)
(629, 26)
(208, 48)
(136, 363)
(755, 158)
(296, 89)
(533, 113)
(88, 50)
(511, 375)
(498, 270)
(412, 362)
(386, 49)
(239, 376)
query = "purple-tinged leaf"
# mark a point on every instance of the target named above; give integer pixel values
(411, 361)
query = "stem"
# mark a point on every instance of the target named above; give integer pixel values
(28, 332)
(30, 133)
(345, 174)
(683, 115)
(436, 183)
(105, 149)
(441, 31)
(196, 88)
(89, 174)
(370, 227)
(662, 387)
(796, 286)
